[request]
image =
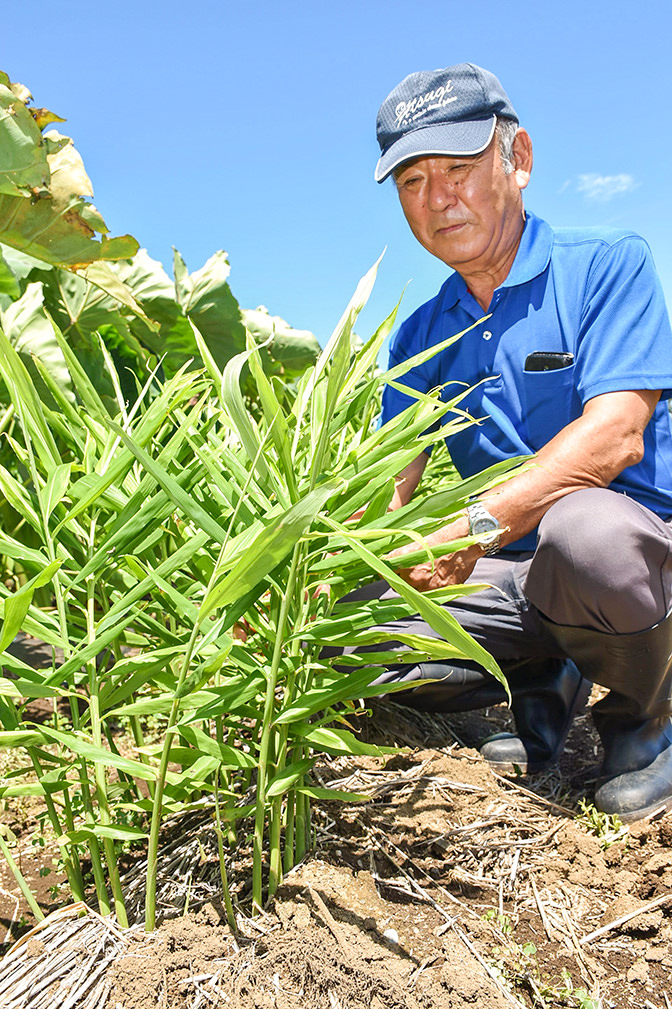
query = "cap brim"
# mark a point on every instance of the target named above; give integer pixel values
(452, 139)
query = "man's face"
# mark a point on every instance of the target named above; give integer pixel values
(466, 211)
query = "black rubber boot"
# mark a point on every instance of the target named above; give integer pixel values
(633, 720)
(546, 694)
(465, 687)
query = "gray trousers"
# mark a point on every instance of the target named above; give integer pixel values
(602, 561)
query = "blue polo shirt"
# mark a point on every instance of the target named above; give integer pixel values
(591, 292)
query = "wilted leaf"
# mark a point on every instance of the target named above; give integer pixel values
(44, 189)
(44, 117)
(23, 159)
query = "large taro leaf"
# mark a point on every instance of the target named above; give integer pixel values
(165, 329)
(78, 309)
(46, 216)
(24, 268)
(44, 190)
(157, 311)
(284, 351)
(203, 298)
(206, 298)
(91, 301)
(29, 330)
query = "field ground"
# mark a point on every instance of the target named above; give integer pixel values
(448, 888)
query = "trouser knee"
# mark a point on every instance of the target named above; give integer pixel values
(603, 561)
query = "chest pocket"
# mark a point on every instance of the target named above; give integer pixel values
(550, 403)
(486, 403)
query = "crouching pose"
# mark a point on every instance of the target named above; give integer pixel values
(574, 364)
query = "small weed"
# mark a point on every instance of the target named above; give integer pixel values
(607, 827)
(500, 921)
(517, 968)
(571, 996)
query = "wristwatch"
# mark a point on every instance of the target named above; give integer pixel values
(481, 521)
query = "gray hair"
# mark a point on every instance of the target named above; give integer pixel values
(505, 132)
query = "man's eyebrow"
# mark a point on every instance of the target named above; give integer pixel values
(460, 158)
(406, 167)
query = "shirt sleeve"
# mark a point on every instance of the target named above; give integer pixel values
(625, 341)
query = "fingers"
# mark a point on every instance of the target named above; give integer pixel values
(453, 569)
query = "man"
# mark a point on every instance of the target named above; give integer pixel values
(573, 363)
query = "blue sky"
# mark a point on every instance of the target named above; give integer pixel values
(250, 127)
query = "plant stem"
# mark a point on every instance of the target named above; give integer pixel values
(302, 825)
(139, 740)
(265, 743)
(228, 904)
(288, 855)
(157, 805)
(97, 735)
(72, 869)
(18, 876)
(134, 720)
(275, 860)
(73, 876)
(232, 837)
(223, 773)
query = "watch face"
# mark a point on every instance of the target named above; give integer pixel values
(484, 525)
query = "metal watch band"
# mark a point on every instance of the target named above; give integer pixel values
(479, 516)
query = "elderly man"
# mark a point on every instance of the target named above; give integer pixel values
(574, 364)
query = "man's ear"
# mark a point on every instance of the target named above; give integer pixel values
(522, 158)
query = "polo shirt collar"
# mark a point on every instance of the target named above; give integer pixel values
(534, 252)
(532, 258)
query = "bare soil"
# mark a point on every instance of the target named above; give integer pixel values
(448, 888)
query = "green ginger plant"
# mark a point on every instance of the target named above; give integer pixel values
(148, 515)
(160, 527)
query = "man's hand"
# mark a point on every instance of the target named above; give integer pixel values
(451, 569)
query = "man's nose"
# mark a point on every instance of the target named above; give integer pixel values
(440, 192)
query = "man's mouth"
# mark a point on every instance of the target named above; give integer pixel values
(449, 229)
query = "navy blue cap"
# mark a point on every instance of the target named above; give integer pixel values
(451, 111)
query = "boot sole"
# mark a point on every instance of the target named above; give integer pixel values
(642, 814)
(516, 769)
